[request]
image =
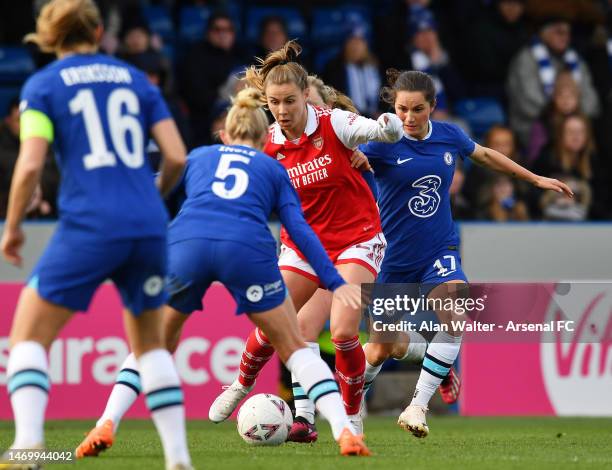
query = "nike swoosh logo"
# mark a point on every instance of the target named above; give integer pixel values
(400, 161)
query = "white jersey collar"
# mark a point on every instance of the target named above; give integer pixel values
(312, 122)
(424, 138)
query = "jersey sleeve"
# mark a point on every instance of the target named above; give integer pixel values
(464, 143)
(35, 119)
(290, 214)
(352, 129)
(156, 107)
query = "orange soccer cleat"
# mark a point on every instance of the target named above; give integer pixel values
(351, 444)
(99, 438)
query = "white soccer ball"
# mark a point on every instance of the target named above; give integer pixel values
(264, 420)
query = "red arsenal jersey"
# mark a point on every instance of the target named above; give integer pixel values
(336, 200)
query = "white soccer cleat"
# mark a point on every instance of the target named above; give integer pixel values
(225, 404)
(357, 423)
(413, 419)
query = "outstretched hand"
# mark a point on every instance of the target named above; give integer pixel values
(349, 295)
(360, 161)
(553, 184)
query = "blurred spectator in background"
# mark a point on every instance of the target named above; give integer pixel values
(573, 149)
(460, 206)
(493, 40)
(9, 149)
(272, 35)
(158, 71)
(43, 201)
(570, 159)
(565, 101)
(428, 55)
(533, 72)
(502, 139)
(207, 66)
(499, 201)
(355, 71)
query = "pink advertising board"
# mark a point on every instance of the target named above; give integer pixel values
(86, 358)
(565, 371)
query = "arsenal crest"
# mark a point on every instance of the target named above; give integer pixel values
(318, 142)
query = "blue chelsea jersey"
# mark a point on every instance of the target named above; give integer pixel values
(230, 192)
(413, 178)
(102, 110)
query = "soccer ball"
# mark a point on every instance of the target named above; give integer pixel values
(264, 420)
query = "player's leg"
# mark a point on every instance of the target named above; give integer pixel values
(439, 358)
(312, 373)
(187, 283)
(311, 321)
(36, 324)
(258, 349)
(350, 358)
(128, 386)
(141, 285)
(300, 284)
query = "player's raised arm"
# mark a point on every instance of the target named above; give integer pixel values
(353, 129)
(36, 133)
(497, 161)
(173, 151)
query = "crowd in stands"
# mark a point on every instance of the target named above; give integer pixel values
(530, 78)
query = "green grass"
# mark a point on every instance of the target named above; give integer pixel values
(454, 443)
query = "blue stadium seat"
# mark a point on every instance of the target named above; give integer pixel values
(296, 26)
(331, 25)
(16, 65)
(480, 114)
(159, 19)
(192, 23)
(323, 56)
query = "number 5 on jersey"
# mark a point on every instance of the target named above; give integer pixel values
(224, 169)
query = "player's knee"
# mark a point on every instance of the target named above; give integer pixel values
(377, 353)
(307, 332)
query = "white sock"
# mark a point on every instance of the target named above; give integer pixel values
(303, 406)
(318, 381)
(160, 383)
(370, 373)
(125, 392)
(440, 356)
(28, 386)
(417, 346)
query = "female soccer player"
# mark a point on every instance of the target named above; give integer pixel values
(315, 147)
(98, 112)
(221, 233)
(414, 176)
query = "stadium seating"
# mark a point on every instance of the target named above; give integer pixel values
(331, 25)
(480, 114)
(16, 65)
(6, 95)
(159, 20)
(296, 26)
(192, 23)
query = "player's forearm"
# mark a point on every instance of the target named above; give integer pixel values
(353, 130)
(169, 176)
(23, 185)
(497, 161)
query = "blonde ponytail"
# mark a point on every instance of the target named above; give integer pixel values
(246, 119)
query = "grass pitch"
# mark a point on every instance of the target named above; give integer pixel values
(454, 443)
